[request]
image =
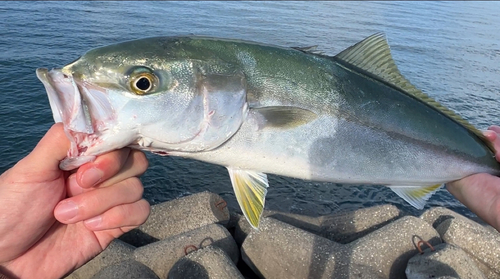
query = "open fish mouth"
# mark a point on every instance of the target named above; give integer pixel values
(84, 110)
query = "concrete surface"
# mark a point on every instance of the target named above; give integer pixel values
(116, 252)
(184, 238)
(279, 250)
(162, 255)
(447, 260)
(210, 262)
(128, 269)
(476, 240)
(178, 216)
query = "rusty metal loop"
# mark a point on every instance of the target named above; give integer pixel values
(189, 246)
(426, 243)
(221, 204)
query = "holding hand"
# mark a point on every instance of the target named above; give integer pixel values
(481, 192)
(52, 221)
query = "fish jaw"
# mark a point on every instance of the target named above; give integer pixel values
(86, 113)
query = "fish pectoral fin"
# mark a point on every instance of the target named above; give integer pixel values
(285, 117)
(416, 195)
(250, 188)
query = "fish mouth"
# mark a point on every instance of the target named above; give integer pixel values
(84, 110)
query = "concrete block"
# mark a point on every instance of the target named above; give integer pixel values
(343, 227)
(162, 255)
(234, 217)
(116, 252)
(349, 226)
(389, 248)
(242, 229)
(476, 240)
(437, 215)
(178, 216)
(206, 263)
(446, 261)
(304, 222)
(278, 250)
(129, 269)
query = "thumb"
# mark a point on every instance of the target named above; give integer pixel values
(49, 151)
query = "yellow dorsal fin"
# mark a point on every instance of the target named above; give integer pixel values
(373, 55)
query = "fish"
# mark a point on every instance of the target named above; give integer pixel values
(260, 109)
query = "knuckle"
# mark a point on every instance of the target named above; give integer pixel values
(136, 187)
(122, 216)
(141, 161)
(143, 209)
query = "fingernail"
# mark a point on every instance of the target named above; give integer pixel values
(66, 210)
(93, 223)
(92, 176)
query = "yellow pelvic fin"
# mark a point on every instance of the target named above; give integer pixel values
(416, 195)
(250, 188)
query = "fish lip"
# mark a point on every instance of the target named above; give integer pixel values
(68, 105)
(66, 101)
(55, 104)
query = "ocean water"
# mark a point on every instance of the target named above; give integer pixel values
(450, 50)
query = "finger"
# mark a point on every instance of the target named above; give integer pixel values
(50, 150)
(73, 188)
(126, 216)
(490, 135)
(494, 128)
(102, 168)
(494, 138)
(136, 165)
(93, 203)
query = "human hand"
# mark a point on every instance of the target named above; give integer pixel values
(481, 192)
(93, 206)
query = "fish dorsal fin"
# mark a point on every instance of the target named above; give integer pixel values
(373, 55)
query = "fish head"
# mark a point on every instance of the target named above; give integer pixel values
(144, 95)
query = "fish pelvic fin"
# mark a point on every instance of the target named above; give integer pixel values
(373, 55)
(250, 188)
(416, 195)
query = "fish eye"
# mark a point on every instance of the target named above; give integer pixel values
(143, 83)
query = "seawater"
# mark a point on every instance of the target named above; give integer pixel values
(450, 50)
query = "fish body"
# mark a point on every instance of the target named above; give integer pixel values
(254, 108)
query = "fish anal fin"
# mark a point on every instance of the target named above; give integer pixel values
(285, 117)
(417, 196)
(250, 188)
(373, 55)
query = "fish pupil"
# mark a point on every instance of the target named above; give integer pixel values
(143, 84)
